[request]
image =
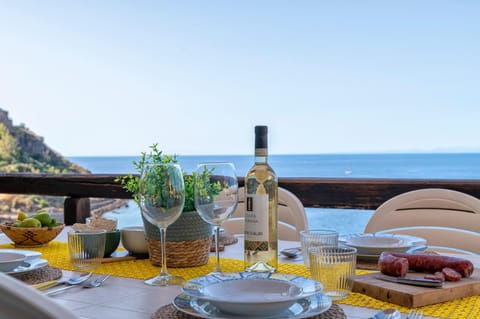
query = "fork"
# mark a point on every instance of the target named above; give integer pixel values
(97, 282)
(415, 314)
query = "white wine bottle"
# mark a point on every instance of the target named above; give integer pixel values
(261, 218)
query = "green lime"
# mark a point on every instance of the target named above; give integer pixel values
(44, 218)
(21, 216)
(30, 222)
(53, 223)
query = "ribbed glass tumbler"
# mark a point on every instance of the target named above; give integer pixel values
(334, 267)
(86, 249)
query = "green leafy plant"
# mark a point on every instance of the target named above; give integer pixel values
(130, 181)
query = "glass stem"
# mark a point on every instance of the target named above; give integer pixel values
(163, 241)
(217, 249)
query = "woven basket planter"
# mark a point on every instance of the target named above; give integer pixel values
(188, 241)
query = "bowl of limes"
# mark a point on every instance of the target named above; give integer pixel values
(34, 230)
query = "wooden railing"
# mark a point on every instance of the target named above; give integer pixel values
(353, 193)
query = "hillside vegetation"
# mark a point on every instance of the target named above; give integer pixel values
(23, 151)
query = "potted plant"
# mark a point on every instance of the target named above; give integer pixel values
(189, 238)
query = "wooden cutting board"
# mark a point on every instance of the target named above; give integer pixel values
(414, 296)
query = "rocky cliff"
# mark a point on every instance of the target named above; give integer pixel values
(21, 150)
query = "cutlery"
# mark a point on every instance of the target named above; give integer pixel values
(77, 282)
(415, 314)
(388, 313)
(413, 281)
(74, 280)
(96, 283)
(292, 252)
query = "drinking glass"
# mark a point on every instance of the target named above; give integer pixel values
(314, 238)
(86, 248)
(334, 267)
(161, 197)
(216, 197)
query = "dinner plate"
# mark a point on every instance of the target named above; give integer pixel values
(30, 254)
(376, 243)
(28, 266)
(302, 308)
(250, 293)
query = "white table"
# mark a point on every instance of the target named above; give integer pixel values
(131, 298)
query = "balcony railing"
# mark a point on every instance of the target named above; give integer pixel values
(350, 193)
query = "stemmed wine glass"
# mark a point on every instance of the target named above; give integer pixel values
(216, 196)
(161, 196)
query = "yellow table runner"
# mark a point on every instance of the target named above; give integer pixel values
(57, 255)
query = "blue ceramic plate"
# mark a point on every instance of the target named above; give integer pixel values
(301, 308)
(255, 294)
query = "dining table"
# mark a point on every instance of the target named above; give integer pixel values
(125, 295)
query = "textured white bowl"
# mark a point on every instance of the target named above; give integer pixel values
(9, 261)
(133, 239)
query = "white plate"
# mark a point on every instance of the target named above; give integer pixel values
(30, 254)
(9, 260)
(28, 266)
(376, 243)
(249, 293)
(374, 258)
(302, 308)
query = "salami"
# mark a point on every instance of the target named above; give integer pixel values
(436, 276)
(433, 263)
(394, 264)
(450, 274)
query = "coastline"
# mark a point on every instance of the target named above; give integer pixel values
(98, 206)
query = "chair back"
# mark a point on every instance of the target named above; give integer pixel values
(18, 300)
(445, 218)
(291, 216)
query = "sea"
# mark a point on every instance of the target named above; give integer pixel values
(345, 221)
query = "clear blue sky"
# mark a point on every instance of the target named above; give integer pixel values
(113, 77)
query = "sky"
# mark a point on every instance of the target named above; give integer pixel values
(110, 78)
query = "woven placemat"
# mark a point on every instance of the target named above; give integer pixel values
(170, 312)
(38, 276)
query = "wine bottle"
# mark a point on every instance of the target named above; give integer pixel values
(261, 204)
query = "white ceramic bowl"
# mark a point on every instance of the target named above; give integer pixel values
(261, 297)
(9, 261)
(133, 240)
(251, 294)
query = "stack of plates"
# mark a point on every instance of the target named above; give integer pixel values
(31, 262)
(370, 246)
(252, 295)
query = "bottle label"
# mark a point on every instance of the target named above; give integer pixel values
(256, 218)
(261, 152)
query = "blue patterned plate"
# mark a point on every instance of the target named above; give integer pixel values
(301, 308)
(255, 294)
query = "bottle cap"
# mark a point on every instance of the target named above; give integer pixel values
(261, 136)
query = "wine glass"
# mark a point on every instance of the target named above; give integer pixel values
(161, 196)
(216, 196)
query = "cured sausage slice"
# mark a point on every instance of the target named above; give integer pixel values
(450, 274)
(436, 276)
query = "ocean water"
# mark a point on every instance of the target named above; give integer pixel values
(431, 166)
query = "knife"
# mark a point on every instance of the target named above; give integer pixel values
(58, 290)
(413, 281)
